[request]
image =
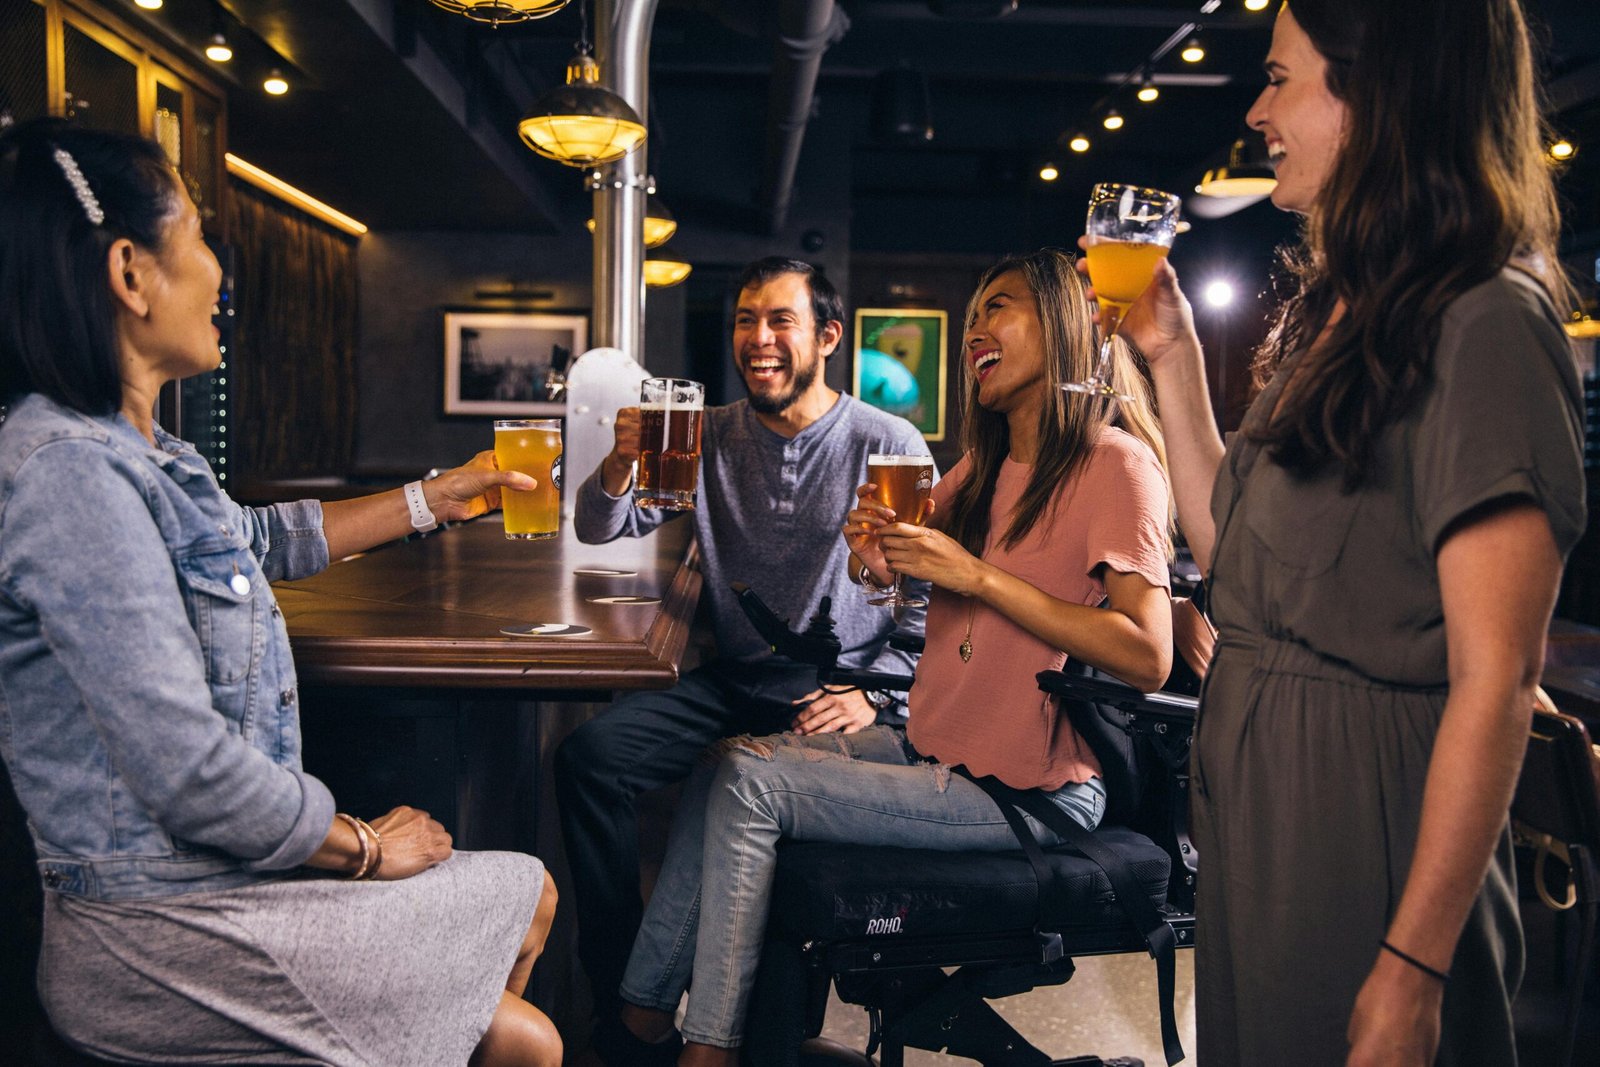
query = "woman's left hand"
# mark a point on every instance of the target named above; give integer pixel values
(920, 552)
(1396, 1017)
(472, 488)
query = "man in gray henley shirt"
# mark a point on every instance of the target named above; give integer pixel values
(778, 471)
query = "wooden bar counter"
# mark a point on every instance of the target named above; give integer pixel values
(428, 613)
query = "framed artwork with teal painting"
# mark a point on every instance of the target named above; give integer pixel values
(900, 365)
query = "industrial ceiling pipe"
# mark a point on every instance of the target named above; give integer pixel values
(806, 29)
(622, 40)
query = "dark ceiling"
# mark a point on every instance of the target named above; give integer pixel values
(403, 115)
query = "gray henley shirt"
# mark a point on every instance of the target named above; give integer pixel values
(767, 513)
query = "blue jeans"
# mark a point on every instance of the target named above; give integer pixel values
(708, 913)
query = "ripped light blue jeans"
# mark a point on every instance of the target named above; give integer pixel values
(708, 913)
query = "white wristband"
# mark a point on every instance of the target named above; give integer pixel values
(421, 515)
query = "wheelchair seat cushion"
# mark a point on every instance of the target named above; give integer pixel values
(829, 892)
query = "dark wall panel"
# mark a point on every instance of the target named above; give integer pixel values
(295, 345)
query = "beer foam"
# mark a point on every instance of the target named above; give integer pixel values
(899, 461)
(668, 405)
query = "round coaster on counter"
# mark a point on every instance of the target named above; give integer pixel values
(633, 601)
(604, 572)
(546, 629)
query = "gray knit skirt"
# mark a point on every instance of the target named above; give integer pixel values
(306, 969)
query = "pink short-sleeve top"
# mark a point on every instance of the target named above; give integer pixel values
(988, 713)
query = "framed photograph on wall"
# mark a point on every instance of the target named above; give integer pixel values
(900, 365)
(500, 362)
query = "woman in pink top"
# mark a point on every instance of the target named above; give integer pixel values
(1060, 502)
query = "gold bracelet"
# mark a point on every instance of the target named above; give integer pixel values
(355, 825)
(370, 873)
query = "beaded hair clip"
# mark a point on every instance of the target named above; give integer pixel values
(80, 186)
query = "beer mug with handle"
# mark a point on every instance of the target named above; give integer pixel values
(670, 410)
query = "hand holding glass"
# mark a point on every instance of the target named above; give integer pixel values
(1130, 230)
(532, 446)
(905, 484)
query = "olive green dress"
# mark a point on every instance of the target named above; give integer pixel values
(1328, 685)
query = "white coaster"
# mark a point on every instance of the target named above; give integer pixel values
(635, 601)
(546, 629)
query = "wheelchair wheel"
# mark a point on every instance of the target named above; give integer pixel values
(825, 1052)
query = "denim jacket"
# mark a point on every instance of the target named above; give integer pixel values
(148, 713)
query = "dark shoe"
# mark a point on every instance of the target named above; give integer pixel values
(617, 1046)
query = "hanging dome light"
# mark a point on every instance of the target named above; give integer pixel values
(1112, 121)
(495, 12)
(218, 50)
(1246, 172)
(582, 123)
(1049, 172)
(1148, 92)
(1079, 143)
(1194, 51)
(659, 225)
(661, 273)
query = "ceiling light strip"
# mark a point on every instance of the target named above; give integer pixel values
(259, 178)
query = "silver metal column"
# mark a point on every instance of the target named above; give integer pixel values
(622, 40)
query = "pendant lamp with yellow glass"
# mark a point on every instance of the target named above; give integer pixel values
(582, 124)
(495, 12)
(659, 225)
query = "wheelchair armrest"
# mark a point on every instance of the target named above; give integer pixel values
(1172, 708)
(906, 641)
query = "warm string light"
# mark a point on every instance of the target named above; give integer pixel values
(1049, 173)
(275, 83)
(1193, 51)
(218, 50)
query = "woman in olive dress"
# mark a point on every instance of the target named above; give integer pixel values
(1384, 539)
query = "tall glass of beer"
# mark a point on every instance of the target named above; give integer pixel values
(670, 410)
(1130, 230)
(904, 484)
(532, 446)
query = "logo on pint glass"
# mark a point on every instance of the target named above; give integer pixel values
(925, 480)
(555, 472)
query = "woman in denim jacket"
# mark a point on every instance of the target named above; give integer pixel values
(148, 710)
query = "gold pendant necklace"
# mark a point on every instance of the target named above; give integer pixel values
(966, 643)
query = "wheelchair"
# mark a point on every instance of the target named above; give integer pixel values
(922, 938)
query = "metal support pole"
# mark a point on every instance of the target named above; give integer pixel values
(622, 44)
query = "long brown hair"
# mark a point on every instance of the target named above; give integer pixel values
(1441, 183)
(1069, 423)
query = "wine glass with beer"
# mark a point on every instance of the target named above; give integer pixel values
(905, 484)
(1130, 230)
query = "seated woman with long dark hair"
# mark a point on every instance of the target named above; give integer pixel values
(1059, 503)
(148, 717)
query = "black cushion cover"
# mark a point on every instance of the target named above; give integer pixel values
(828, 891)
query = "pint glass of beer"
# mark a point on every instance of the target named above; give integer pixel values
(669, 443)
(532, 446)
(904, 483)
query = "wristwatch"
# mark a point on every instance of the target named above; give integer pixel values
(880, 700)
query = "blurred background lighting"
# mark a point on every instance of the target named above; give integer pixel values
(1255, 5)
(1218, 294)
(1563, 150)
(1079, 143)
(1112, 121)
(1049, 173)
(1193, 52)
(275, 84)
